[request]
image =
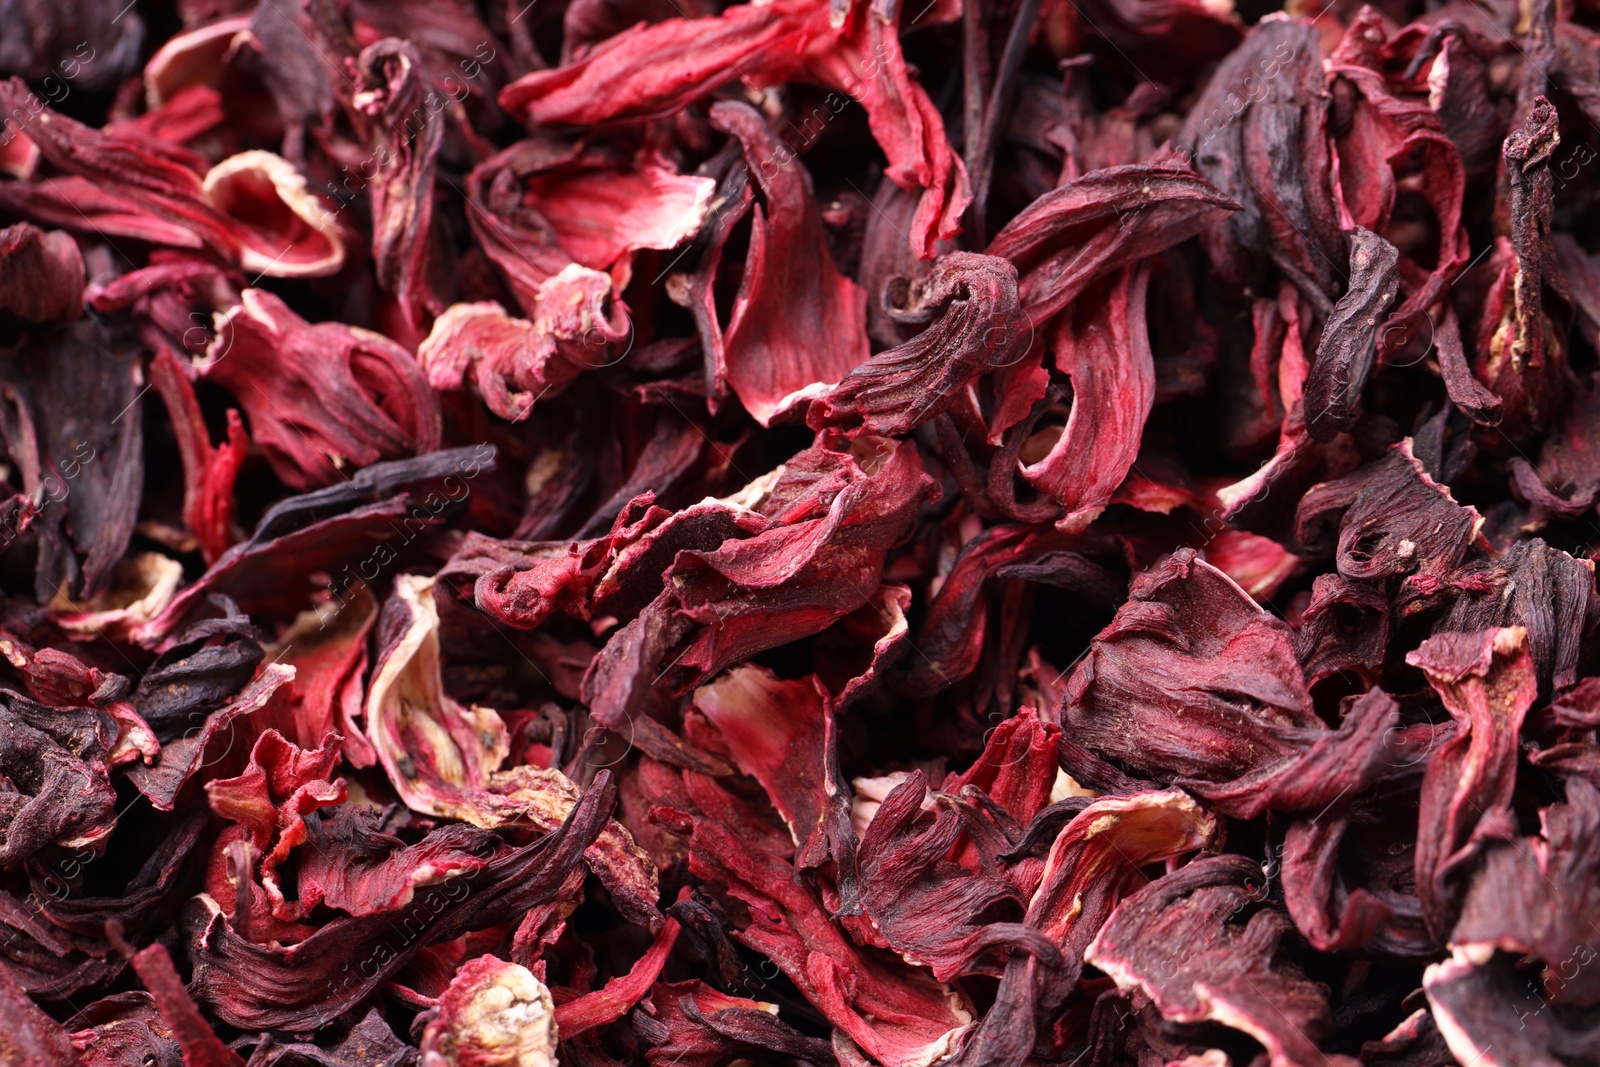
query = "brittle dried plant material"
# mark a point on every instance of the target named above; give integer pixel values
(445, 759)
(402, 193)
(320, 397)
(252, 209)
(1175, 942)
(57, 787)
(906, 880)
(632, 75)
(1394, 521)
(1193, 682)
(798, 325)
(896, 1012)
(1096, 861)
(263, 985)
(1259, 134)
(1395, 161)
(33, 1039)
(327, 539)
(1522, 352)
(998, 644)
(1088, 227)
(41, 274)
(73, 427)
(1486, 680)
(1544, 911)
(1348, 348)
(832, 517)
(1105, 353)
(123, 1028)
(493, 1012)
(1544, 590)
(209, 471)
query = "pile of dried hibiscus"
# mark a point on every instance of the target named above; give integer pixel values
(833, 532)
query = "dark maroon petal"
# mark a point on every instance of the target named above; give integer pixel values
(83, 42)
(252, 209)
(265, 986)
(56, 788)
(1269, 97)
(1541, 589)
(980, 330)
(933, 912)
(201, 1046)
(75, 430)
(1192, 681)
(32, 1038)
(369, 1043)
(1339, 763)
(1344, 627)
(1175, 942)
(210, 663)
(1104, 349)
(339, 532)
(1393, 520)
(1466, 392)
(952, 635)
(1347, 351)
(1089, 227)
(1388, 140)
(897, 1013)
(41, 274)
(173, 775)
(124, 1030)
(1332, 917)
(1486, 1012)
(1097, 861)
(1537, 896)
(1486, 680)
(404, 136)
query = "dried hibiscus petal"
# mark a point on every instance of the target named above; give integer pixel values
(1486, 680)
(621, 567)
(798, 325)
(1174, 943)
(321, 396)
(1193, 681)
(263, 985)
(41, 274)
(981, 330)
